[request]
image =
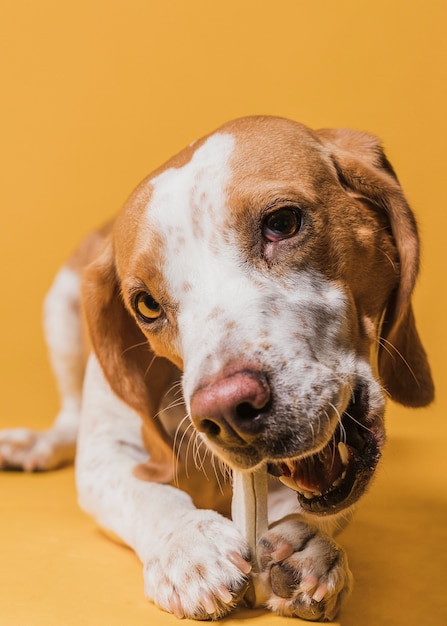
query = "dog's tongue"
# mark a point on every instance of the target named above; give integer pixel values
(317, 473)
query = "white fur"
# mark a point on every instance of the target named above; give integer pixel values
(188, 554)
(198, 187)
(27, 448)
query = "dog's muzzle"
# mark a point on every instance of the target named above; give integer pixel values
(235, 413)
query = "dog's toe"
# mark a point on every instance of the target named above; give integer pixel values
(308, 575)
(202, 570)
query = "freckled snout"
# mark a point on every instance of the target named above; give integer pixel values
(230, 410)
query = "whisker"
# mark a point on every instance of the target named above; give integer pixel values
(225, 470)
(343, 437)
(177, 431)
(196, 445)
(382, 341)
(336, 411)
(199, 459)
(177, 448)
(172, 405)
(357, 422)
(313, 432)
(333, 450)
(192, 445)
(213, 464)
(333, 434)
(393, 265)
(149, 366)
(176, 401)
(135, 345)
(176, 387)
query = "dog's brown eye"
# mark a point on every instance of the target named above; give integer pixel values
(146, 307)
(281, 224)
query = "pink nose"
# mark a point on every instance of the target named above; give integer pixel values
(229, 411)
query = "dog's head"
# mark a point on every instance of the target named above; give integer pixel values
(274, 266)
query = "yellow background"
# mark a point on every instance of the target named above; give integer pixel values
(97, 93)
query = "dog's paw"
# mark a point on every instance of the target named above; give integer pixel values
(200, 570)
(303, 572)
(31, 450)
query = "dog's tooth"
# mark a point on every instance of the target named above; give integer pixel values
(289, 482)
(343, 476)
(308, 495)
(343, 452)
(291, 466)
(337, 482)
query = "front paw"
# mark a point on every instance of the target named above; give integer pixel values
(306, 574)
(32, 450)
(201, 568)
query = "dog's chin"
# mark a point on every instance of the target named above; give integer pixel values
(332, 479)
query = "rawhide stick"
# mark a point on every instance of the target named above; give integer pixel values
(250, 514)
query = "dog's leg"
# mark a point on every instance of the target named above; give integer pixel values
(28, 449)
(194, 560)
(304, 572)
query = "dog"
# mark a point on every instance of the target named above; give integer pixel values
(249, 306)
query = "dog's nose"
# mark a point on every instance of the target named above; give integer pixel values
(229, 411)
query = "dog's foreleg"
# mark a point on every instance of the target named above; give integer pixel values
(30, 449)
(195, 561)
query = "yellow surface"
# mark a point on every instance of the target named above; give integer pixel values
(97, 93)
(58, 569)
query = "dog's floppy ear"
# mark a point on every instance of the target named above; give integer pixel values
(362, 168)
(134, 373)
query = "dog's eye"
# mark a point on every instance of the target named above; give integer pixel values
(146, 307)
(281, 224)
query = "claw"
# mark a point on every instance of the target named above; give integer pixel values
(240, 562)
(208, 604)
(176, 606)
(309, 583)
(320, 592)
(223, 594)
(282, 553)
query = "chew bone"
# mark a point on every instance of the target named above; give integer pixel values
(249, 513)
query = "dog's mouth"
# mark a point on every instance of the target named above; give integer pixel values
(335, 477)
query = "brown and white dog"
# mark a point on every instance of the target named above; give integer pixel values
(251, 305)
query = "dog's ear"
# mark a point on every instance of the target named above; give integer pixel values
(363, 169)
(135, 374)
